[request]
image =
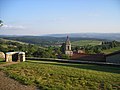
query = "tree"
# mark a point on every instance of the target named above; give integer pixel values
(64, 56)
(42, 53)
(1, 23)
(62, 48)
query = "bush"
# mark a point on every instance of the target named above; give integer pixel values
(64, 56)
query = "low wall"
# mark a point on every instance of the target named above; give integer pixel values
(89, 57)
(73, 61)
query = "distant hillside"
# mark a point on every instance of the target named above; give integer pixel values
(86, 42)
(7, 40)
(11, 45)
(108, 36)
(47, 40)
(108, 51)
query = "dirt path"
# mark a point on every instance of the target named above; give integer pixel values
(7, 83)
(7, 64)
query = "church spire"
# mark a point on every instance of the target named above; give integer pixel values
(68, 41)
(68, 50)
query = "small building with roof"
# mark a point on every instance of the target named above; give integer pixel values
(15, 56)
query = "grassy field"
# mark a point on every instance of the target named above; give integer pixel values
(86, 42)
(2, 61)
(111, 50)
(65, 76)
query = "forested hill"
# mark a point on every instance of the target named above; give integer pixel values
(30, 50)
(45, 40)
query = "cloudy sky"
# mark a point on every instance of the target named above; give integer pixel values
(39, 17)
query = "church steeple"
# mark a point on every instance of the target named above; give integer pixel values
(67, 47)
(67, 44)
(67, 41)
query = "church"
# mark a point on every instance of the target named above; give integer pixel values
(67, 47)
(78, 55)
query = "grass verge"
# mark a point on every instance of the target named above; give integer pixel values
(2, 61)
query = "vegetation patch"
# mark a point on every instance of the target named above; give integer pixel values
(2, 61)
(108, 51)
(65, 76)
(86, 42)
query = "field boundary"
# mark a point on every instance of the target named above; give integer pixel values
(72, 61)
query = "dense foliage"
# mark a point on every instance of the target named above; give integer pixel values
(98, 48)
(30, 49)
(1, 23)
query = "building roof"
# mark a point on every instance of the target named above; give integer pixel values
(114, 53)
(67, 41)
(15, 52)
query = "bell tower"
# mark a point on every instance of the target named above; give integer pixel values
(67, 44)
(68, 50)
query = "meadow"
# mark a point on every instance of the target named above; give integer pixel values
(86, 42)
(108, 51)
(2, 61)
(65, 76)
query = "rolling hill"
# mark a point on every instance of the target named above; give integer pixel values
(47, 40)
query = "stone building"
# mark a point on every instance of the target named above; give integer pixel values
(113, 57)
(2, 55)
(67, 47)
(15, 56)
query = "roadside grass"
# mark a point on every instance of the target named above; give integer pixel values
(111, 50)
(2, 61)
(65, 76)
(86, 42)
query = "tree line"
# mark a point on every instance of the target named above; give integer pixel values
(98, 48)
(32, 50)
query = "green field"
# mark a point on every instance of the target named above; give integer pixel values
(86, 42)
(111, 50)
(2, 61)
(65, 76)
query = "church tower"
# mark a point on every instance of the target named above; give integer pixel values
(68, 50)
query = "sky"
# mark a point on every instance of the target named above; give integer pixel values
(40, 17)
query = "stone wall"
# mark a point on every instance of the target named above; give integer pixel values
(2, 55)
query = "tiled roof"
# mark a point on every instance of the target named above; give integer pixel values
(15, 52)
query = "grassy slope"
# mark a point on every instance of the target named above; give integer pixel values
(64, 76)
(20, 42)
(6, 40)
(86, 42)
(111, 50)
(2, 61)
